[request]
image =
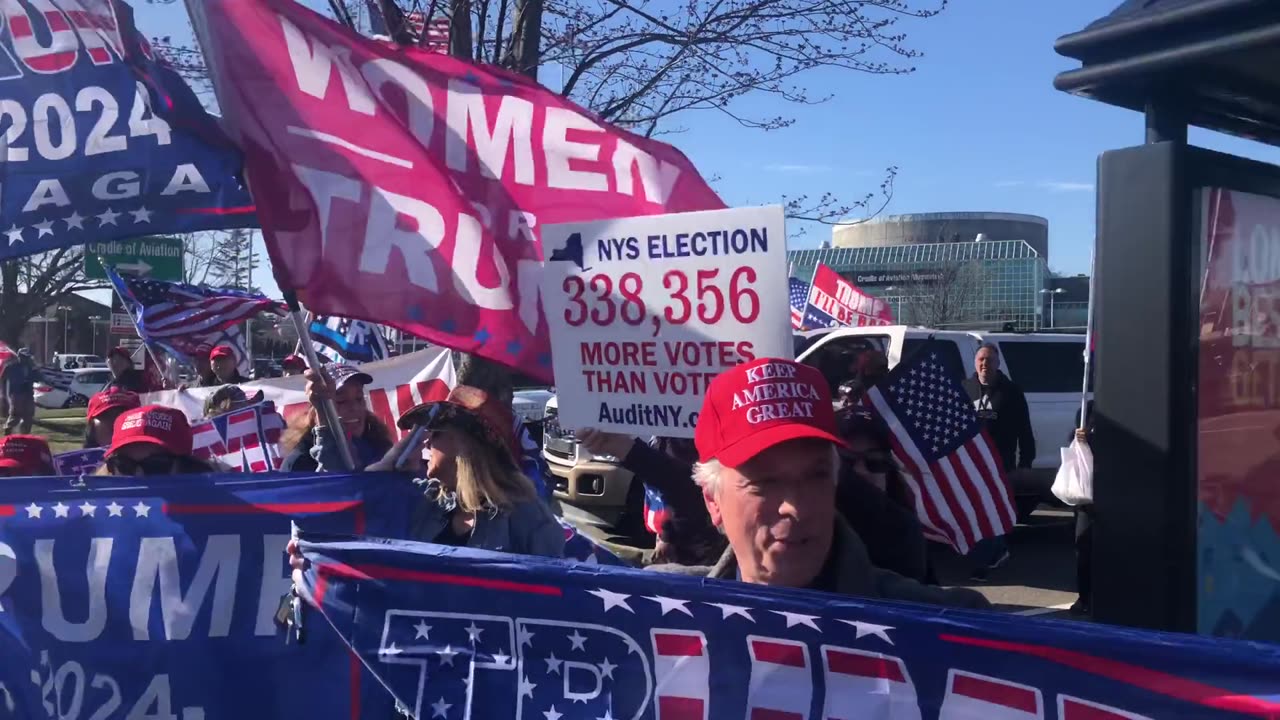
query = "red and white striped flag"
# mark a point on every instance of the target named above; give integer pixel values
(434, 35)
(953, 468)
(244, 439)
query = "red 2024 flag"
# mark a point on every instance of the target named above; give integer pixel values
(407, 187)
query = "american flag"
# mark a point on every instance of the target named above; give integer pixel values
(244, 439)
(953, 468)
(167, 311)
(799, 296)
(432, 36)
(655, 510)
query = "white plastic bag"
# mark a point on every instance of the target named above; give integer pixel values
(1074, 483)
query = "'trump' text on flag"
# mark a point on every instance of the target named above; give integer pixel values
(407, 187)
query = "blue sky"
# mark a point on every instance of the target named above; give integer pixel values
(978, 126)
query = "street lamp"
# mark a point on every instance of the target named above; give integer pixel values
(94, 320)
(66, 311)
(1051, 294)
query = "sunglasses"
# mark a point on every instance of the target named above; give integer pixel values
(158, 464)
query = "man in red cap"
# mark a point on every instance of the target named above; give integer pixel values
(223, 361)
(124, 376)
(767, 466)
(25, 456)
(293, 365)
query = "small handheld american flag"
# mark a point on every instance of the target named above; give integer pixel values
(799, 297)
(953, 467)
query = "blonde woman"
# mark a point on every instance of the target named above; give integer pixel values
(474, 492)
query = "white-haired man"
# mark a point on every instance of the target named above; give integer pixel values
(767, 465)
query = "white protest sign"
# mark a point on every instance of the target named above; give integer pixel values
(645, 311)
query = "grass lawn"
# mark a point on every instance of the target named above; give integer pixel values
(64, 429)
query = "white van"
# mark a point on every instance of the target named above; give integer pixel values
(1048, 367)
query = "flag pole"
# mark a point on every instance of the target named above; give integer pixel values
(331, 417)
(1088, 337)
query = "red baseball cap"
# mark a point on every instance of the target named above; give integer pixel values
(222, 351)
(752, 407)
(112, 399)
(155, 424)
(28, 453)
(293, 361)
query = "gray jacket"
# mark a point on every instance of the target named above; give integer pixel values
(527, 529)
(855, 576)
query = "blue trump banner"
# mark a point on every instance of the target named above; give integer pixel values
(102, 141)
(130, 598)
(459, 634)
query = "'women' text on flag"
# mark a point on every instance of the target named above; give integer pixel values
(407, 187)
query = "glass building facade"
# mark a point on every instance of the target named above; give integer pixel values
(975, 284)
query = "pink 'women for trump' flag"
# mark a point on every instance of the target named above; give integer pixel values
(407, 187)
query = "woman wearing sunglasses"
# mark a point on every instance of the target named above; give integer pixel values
(475, 494)
(873, 496)
(152, 440)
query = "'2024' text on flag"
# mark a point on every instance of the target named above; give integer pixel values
(953, 467)
(408, 188)
(103, 140)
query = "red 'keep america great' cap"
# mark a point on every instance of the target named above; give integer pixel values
(752, 407)
(153, 424)
(25, 453)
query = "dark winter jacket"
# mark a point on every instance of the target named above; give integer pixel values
(133, 380)
(1002, 408)
(890, 532)
(318, 452)
(19, 379)
(850, 572)
(212, 380)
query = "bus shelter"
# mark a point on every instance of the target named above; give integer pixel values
(1187, 380)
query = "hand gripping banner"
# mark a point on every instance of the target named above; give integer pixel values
(101, 140)
(407, 188)
(466, 634)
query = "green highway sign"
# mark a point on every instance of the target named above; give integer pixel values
(159, 258)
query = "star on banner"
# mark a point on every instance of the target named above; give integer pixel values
(579, 642)
(44, 228)
(115, 509)
(33, 511)
(421, 630)
(864, 628)
(729, 610)
(794, 619)
(88, 509)
(60, 510)
(141, 215)
(612, 599)
(108, 217)
(670, 604)
(74, 220)
(141, 510)
(14, 233)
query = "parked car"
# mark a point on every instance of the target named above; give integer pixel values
(64, 361)
(84, 383)
(1049, 367)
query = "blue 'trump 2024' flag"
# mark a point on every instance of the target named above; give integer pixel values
(463, 634)
(102, 140)
(126, 598)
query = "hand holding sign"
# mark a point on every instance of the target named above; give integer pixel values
(644, 312)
